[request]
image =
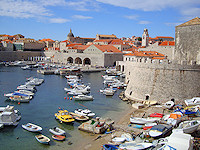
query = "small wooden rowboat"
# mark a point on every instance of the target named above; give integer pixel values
(42, 139)
(58, 137)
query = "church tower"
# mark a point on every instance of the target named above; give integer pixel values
(70, 36)
(145, 38)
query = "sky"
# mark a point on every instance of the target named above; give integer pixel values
(53, 19)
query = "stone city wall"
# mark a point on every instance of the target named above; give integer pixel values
(18, 55)
(161, 82)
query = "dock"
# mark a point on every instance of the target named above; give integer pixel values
(46, 72)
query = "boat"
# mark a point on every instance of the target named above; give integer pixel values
(156, 115)
(79, 117)
(22, 99)
(26, 87)
(174, 118)
(85, 112)
(25, 92)
(83, 97)
(64, 116)
(178, 141)
(193, 101)
(32, 127)
(187, 126)
(137, 120)
(169, 104)
(110, 147)
(135, 146)
(9, 116)
(118, 140)
(160, 130)
(127, 136)
(58, 137)
(57, 131)
(149, 102)
(27, 67)
(42, 139)
(15, 94)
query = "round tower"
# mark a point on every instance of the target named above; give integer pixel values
(70, 35)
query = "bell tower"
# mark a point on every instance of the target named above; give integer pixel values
(145, 38)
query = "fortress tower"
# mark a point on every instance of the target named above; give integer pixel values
(145, 38)
(187, 47)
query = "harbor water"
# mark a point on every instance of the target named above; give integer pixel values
(46, 102)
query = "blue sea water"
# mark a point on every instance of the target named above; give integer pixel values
(46, 102)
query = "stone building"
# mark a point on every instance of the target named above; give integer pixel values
(165, 80)
(100, 55)
(71, 38)
(188, 42)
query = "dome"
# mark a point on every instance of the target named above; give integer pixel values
(70, 34)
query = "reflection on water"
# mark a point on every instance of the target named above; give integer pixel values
(41, 109)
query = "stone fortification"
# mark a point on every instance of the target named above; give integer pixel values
(18, 55)
(161, 81)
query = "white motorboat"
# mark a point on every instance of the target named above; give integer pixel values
(169, 104)
(188, 126)
(178, 141)
(77, 90)
(27, 67)
(32, 127)
(160, 130)
(25, 92)
(85, 112)
(136, 120)
(26, 87)
(135, 146)
(57, 131)
(34, 81)
(9, 116)
(22, 99)
(83, 98)
(193, 101)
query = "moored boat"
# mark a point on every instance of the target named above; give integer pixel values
(193, 101)
(110, 147)
(85, 112)
(188, 126)
(169, 104)
(64, 116)
(160, 130)
(135, 146)
(57, 131)
(137, 120)
(58, 137)
(42, 139)
(32, 127)
(79, 117)
(83, 97)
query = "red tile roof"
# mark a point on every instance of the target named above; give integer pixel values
(108, 48)
(67, 41)
(167, 43)
(146, 54)
(74, 44)
(49, 40)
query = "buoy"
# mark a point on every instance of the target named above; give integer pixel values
(64, 97)
(18, 103)
(67, 93)
(68, 98)
(73, 96)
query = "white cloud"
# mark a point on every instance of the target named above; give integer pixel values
(132, 17)
(58, 20)
(173, 24)
(185, 7)
(22, 9)
(144, 22)
(81, 17)
(84, 5)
